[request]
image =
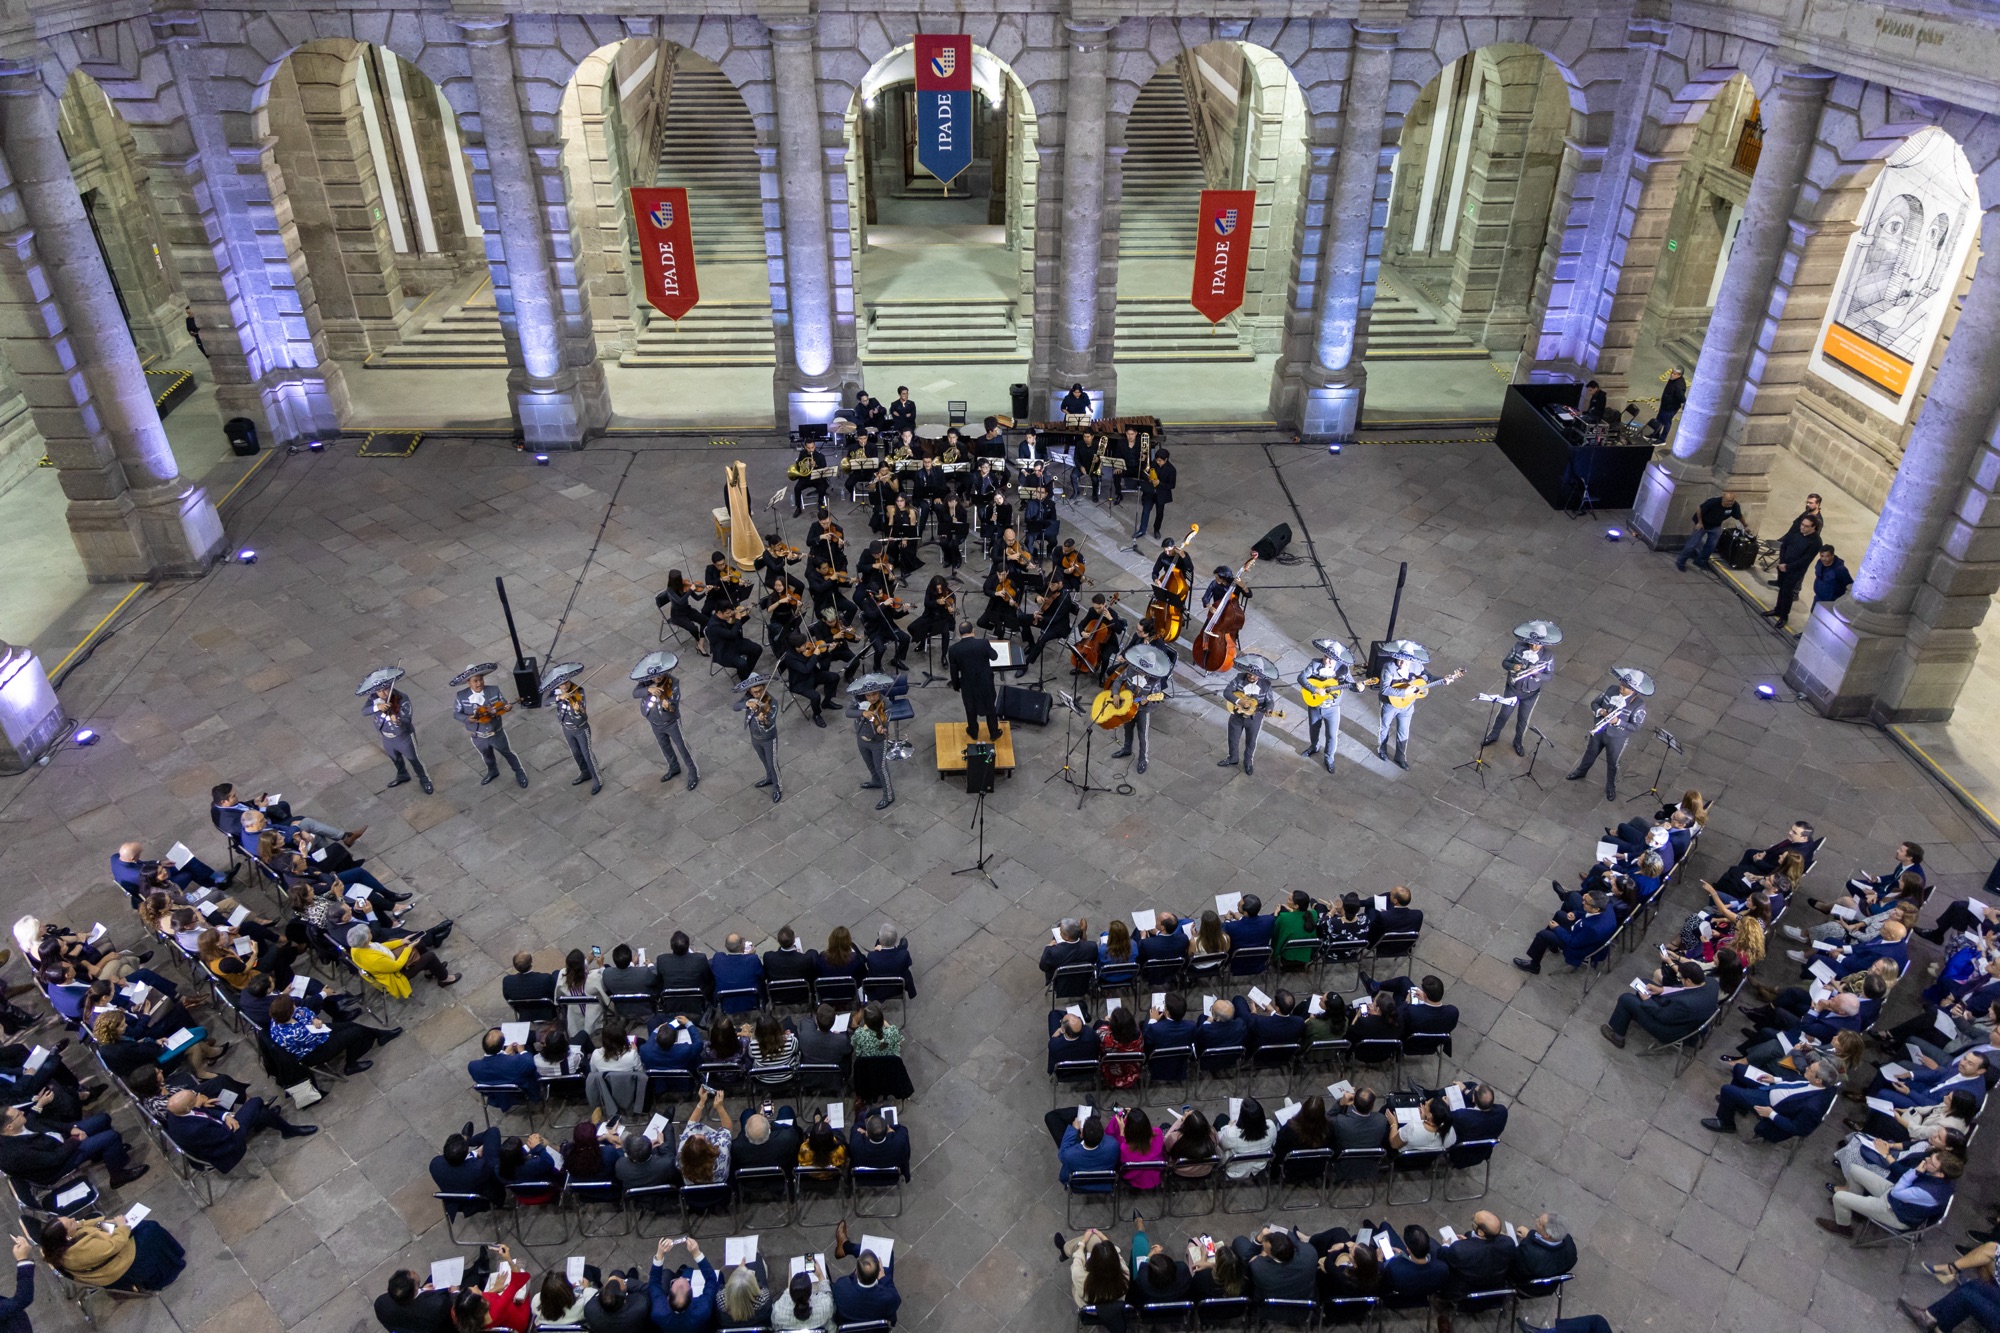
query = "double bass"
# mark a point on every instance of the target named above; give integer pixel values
(1215, 646)
(1166, 613)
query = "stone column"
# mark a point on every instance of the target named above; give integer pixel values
(811, 390)
(1673, 487)
(555, 404)
(215, 204)
(1336, 381)
(1080, 239)
(1883, 651)
(30, 715)
(179, 533)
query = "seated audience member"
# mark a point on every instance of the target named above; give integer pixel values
(524, 985)
(527, 1165)
(840, 958)
(314, 1040)
(1397, 918)
(681, 1304)
(507, 1065)
(1283, 1266)
(1072, 950)
(1165, 943)
(1379, 1019)
(645, 1161)
(1215, 1271)
(880, 1144)
(1331, 1021)
(1581, 930)
(890, 958)
(739, 975)
(1483, 1258)
(1118, 949)
(468, 1164)
(1429, 1131)
(789, 961)
(807, 1302)
(203, 1129)
(1097, 1275)
(1190, 1146)
(226, 811)
(390, 964)
(139, 877)
(704, 1148)
(1247, 926)
(1158, 1277)
(1208, 950)
(1346, 1269)
(113, 1254)
(874, 1035)
(1120, 1036)
(1220, 1029)
(1071, 1039)
(1415, 1271)
(1932, 1081)
(1916, 1198)
(1798, 839)
(621, 1305)
(1082, 1144)
(1785, 1109)
(411, 1306)
(767, 1140)
(1668, 1012)
(1295, 932)
(1139, 1140)
(41, 1151)
(1169, 1028)
(1545, 1250)
(822, 1156)
(556, 1056)
(1482, 1116)
(1423, 1010)
(1359, 1123)
(626, 977)
(682, 969)
(1281, 1022)
(819, 1044)
(558, 1302)
(869, 1292)
(124, 1053)
(674, 1045)
(1246, 1139)
(1308, 1128)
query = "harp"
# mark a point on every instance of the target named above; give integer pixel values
(745, 545)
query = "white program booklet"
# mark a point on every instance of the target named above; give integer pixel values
(1146, 919)
(447, 1272)
(1225, 903)
(884, 1248)
(514, 1034)
(179, 855)
(738, 1250)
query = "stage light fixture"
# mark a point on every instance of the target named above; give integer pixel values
(85, 736)
(1767, 691)
(246, 556)
(541, 460)
(316, 445)
(1614, 534)
(1334, 448)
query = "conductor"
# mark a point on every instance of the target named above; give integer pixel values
(971, 660)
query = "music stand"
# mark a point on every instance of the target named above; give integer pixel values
(1533, 755)
(1671, 746)
(1478, 761)
(1081, 784)
(777, 508)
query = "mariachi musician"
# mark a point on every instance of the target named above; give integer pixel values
(1146, 692)
(760, 727)
(573, 720)
(1404, 685)
(388, 709)
(480, 709)
(870, 712)
(1618, 712)
(1249, 699)
(1528, 668)
(801, 472)
(659, 694)
(1320, 687)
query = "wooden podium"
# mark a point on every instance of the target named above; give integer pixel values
(951, 742)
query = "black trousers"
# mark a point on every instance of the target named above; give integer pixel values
(1788, 593)
(978, 705)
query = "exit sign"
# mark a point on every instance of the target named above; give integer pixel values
(1673, 245)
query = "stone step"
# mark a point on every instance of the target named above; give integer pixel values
(1169, 329)
(1401, 330)
(719, 333)
(957, 332)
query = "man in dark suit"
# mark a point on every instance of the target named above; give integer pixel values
(1413, 1272)
(1070, 1038)
(767, 1140)
(1282, 1264)
(789, 962)
(617, 1309)
(466, 1166)
(1786, 1109)
(1156, 492)
(623, 978)
(1581, 929)
(1249, 928)
(409, 1306)
(673, 1045)
(1397, 918)
(1425, 1014)
(1483, 1260)
(1546, 1250)
(45, 1151)
(1221, 1027)
(683, 969)
(1798, 838)
(505, 1066)
(1482, 1118)
(971, 662)
(1167, 941)
(819, 1044)
(220, 1138)
(525, 986)
(1668, 1012)
(869, 1292)
(880, 1144)
(891, 958)
(737, 972)
(1281, 1022)
(1169, 1027)
(1358, 1124)
(1071, 950)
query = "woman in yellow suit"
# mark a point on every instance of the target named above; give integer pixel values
(390, 964)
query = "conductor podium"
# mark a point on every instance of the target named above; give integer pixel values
(951, 740)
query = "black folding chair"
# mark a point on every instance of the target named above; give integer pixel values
(1091, 1187)
(759, 1188)
(876, 1183)
(1356, 1167)
(1299, 1179)
(1460, 1158)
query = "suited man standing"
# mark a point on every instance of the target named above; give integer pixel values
(1483, 1260)
(971, 662)
(1546, 1250)
(1668, 1012)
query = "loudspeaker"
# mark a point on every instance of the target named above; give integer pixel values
(527, 682)
(979, 768)
(1273, 543)
(1020, 705)
(812, 430)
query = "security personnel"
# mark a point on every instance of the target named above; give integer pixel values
(1619, 712)
(489, 735)
(1249, 699)
(871, 737)
(1528, 668)
(1146, 691)
(660, 704)
(573, 718)
(389, 710)
(760, 724)
(1320, 687)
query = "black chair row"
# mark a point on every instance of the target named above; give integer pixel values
(1252, 1313)
(1218, 1069)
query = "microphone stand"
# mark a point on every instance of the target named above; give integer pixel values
(1080, 783)
(1672, 746)
(1533, 755)
(1478, 761)
(979, 822)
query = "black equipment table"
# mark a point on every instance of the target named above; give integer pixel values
(1549, 452)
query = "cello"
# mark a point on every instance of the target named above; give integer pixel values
(1087, 652)
(1215, 646)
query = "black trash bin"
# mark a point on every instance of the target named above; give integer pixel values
(1020, 394)
(242, 433)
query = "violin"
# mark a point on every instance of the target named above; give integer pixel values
(950, 604)
(491, 712)
(815, 648)
(787, 598)
(572, 694)
(832, 575)
(1215, 646)
(662, 691)
(1072, 564)
(838, 632)
(788, 554)
(731, 575)
(895, 606)
(759, 709)
(1004, 589)
(1018, 553)
(876, 710)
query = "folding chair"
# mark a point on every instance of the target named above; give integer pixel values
(582, 1198)
(527, 1200)
(1165, 1314)
(1274, 1312)
(1222, 1311)
(1540, 1289)
(1071, 981)
(954, 411)
(1282, 1057)
(1071, 1075)
(789, 993)
(1256, 1185)
(1356, 1166)
(1251, 961)
(1500, 1300)
(759, 1188)
(840, 992)
(1419, 1164)
(875, 1182)
(1167, 1066)
(1091, 1187)
(1198, 1191)
(1116, 1060)
(1341, 1311)
(1390, 945)
(1435, 1044)
(1382, 1054)
(1873, 1235)
(716, 1198)
(809, 1185)
(1137, 1196)
(632, 1004)
(1299, 1179)
(685, 1001)
(648, 1200)
(1460, 1158)
(882, 989)
(457, 1206)
(1684, 1048)
(515, 1099)
(1220, 1064)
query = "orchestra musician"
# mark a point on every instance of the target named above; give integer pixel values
(1320, 688)
(905, 534)
(881, 498)
(1089, 451)
(1002, 616)
(1528, 668)
(660, 704)
(826, 540)
(826, 582)
(1126, 451)
(902, 412)
(807, 462)
(770, 566)
(1054, 617)
(760, 726)
(1038, 508)
(480, 710)
(992, 444)
(389, 710)
(868, 444)
(1070, 565)
(1618, 712)
(903, 446)
(1076, 403)
(868, 413)
(573, 719)
(804, 661)
(727, 643)
(726, 586)
(940, 613)
(1031, 451)
(871, 737)
(954, 523)
(681, 611)
(1218, 587)
(929, 488)
(1170, 558)
(878, 620)
(1140, 728)
(1250, 699)
(1102, 616)
(1156, 491)
(834, 632)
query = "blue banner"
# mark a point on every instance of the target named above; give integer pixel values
(944, 104)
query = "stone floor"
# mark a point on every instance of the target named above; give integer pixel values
(250, 675)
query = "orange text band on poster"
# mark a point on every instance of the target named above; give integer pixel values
(666, 249)
(1222, 251)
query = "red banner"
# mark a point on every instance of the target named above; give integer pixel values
(1222, 251)
(666, 250)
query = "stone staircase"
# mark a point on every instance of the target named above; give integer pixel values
(1167, 328)
(1163, 179)
(465, 336)
(1401, 330)
(714, 333)
(708, 145)
(954, 332)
